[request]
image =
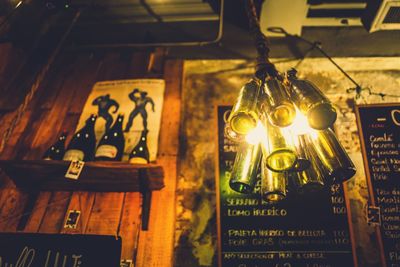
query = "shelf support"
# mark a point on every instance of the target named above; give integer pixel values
(146, 199)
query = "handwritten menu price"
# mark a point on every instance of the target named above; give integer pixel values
(379, 126)
(56, 250)
(299, 232)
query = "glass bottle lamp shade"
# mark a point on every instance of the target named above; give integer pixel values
(273, 184)
(244, 172)
(276, 104)
(312, 102)
(244, 115)
(280, 153)
(333, 156)
(310, 179)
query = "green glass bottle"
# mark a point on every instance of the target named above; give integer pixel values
(280, 153)
(310, 179)
(273, 184)
(243, 117)
(275, 103)
(333, 156)
(244, 172)
(311, 102)
(303, 159)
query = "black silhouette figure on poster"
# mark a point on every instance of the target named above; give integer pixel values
(104, 103)
(141, 100)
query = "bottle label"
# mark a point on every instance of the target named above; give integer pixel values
(138, 160)
(106, 151)
(74, 154)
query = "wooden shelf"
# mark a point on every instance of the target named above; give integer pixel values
(48, 175)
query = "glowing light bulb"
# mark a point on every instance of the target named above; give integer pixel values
(257, 135)
(300, 124)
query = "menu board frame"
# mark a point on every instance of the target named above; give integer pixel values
(372, 197)
(352, 259)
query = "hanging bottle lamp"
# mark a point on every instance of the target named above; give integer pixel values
(283, 128)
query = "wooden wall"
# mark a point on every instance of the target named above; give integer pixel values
(57, 106)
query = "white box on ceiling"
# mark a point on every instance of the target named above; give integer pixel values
(382, 15)
(291, 15)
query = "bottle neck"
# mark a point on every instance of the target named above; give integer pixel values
(143, 136)
(90, 123)
(118, 123)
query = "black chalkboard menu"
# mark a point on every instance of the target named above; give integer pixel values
(58, 250)
(379, 127)
(299, 232)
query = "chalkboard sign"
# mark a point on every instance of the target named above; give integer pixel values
(379, 127)
(57, 250)
(299, 232)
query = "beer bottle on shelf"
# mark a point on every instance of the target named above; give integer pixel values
(140, 153)
(83, 143)
(112, 144)
(56, 151)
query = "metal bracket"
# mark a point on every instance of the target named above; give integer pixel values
(126, 263)
(72, 219)
(146, 199)
(373, 215)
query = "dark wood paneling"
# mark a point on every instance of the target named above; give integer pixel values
(56, 107)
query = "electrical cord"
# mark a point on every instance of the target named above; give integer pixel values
(318, 46)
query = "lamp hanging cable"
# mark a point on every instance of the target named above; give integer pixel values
(318, 46)
(264, 66)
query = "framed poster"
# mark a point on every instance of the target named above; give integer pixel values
(140, 100)
(379, 127)
(297, 232)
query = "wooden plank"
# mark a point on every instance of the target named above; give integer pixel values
(107, 208)
(36, 217)
(53, 218)
(11, 61)
(11, 147)
(85, 83)
(52, 123)
(130, 225)
(56, 77)
(138, 65)
(39, 209)
(169, 135)
(61, 69)
(8, 191)
(105, 214)
(157, 244)
(106, 176)
(11, 208)
(83, 202)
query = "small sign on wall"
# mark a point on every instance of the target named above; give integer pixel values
(57, 250)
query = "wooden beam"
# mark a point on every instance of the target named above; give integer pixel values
(157, 244)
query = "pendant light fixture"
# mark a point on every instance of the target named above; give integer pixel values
(283, 128)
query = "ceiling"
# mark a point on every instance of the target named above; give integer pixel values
(191, 28)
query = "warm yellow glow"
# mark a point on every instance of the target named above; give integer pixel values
(18, 4)
(314, 134)
(300, 124)
(257, 135)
